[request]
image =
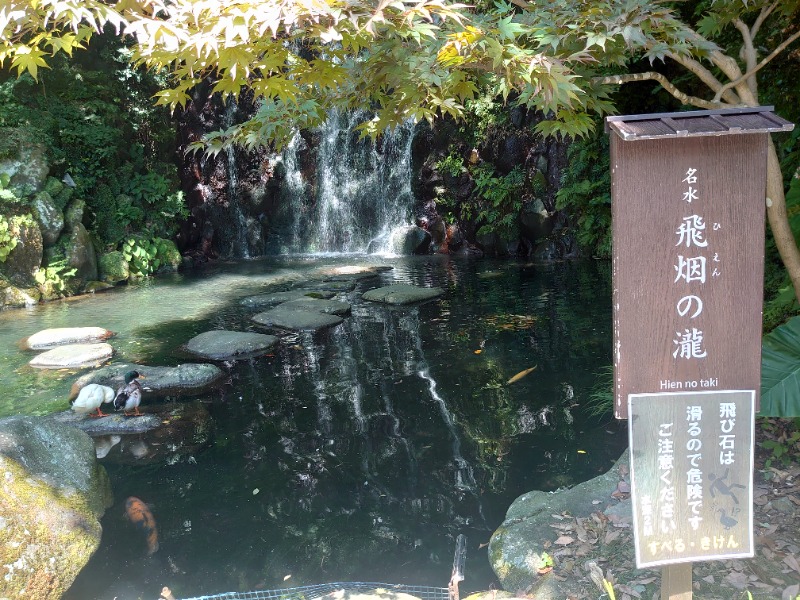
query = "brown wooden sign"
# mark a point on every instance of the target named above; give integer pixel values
(688, 227)
(691, 466)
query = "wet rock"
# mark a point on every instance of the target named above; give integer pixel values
(59, 336)
(115, 423)
(332, 286)
(402, 293)
(73, 356)
(52, 496)
(49, 216)
(224, 345)
(275, 298)
(516, 545)
(296, 318)
(330, 307)
(410, 240)
(187, 378)
(536, 222)
(113, 268)
(97, 286)
(12, 296)
(183, 430)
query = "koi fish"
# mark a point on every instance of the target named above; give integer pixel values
(139, 514)
(520, 375)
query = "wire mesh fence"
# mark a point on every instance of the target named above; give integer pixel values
(338, 590)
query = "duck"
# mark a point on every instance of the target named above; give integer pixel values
(91, 397)
(130, 395)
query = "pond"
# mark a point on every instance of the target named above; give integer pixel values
(355, 454)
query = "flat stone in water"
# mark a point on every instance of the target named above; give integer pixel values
(330, 307)
(275, 298)
(114, 423)
(339, 285)
(185, 378)
(73, 356)
(402, 293)
(286, 317)
(59, 336)
(224, 345)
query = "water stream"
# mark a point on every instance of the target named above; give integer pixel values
(358, 195)
(359, 453)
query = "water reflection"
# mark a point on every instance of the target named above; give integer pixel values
(362, 452)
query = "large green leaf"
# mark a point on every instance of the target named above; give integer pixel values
(780, 371)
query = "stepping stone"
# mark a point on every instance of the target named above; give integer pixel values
(330, 307)
(346, 285)
(114, 423)
(73, 356)
(50, 338)
(275, 298)
(224, 345)
(402, 293)
(286, 317)
(187, 378)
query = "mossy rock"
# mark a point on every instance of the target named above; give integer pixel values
(113, 267)
(25, 259)
(73, 214)
(52, 496)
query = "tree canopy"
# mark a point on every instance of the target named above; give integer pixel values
(418, 59)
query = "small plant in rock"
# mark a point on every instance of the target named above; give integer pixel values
(8, 240)
(146, 255)
(452, 164)
(53, 278)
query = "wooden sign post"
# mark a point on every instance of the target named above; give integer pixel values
(688, 198)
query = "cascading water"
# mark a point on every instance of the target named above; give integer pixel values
(360, 191)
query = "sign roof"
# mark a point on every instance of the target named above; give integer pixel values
(729, 121)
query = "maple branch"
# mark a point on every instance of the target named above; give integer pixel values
(759, 66)
(749, 54)
(702, 73)
(762, 16)
(665, 83)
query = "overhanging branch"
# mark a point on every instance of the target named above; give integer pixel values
(665, 83)
(758, 67)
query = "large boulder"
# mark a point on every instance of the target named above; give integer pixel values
(49, 217)
(518, 547)
(25, 259)
(52, 495)
(81, 256)
(73, 213)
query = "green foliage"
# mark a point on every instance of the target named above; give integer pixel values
(55, 277)
(585, 193)
(7, 239)
(452, 164)
(600, 402)
(783, 442)
(145, 256)
(502, 199)
(96, 119)
(780, 371)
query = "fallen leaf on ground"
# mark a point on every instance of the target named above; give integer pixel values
(791, 561)
(564, 540)
(791, 592)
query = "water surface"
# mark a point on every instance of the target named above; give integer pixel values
(359, 453)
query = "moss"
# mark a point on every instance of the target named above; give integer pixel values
(43, 549)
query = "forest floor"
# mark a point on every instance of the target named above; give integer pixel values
(583, 548)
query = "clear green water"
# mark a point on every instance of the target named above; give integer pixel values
(372, 445)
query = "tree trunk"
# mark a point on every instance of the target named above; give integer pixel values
(779, 219)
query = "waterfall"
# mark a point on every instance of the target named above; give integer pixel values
(358, 194)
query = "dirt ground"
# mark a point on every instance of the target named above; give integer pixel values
(583, 548)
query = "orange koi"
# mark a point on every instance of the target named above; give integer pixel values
(139, 514)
